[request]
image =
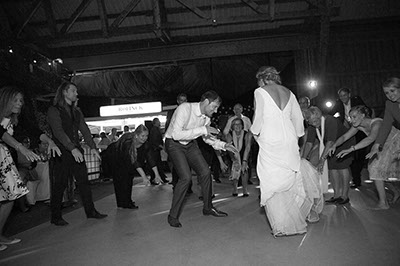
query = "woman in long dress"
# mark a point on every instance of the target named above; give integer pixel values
(385, 166)
(277, 125)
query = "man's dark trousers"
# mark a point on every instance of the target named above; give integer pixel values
(184, 158)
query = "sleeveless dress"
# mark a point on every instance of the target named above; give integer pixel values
(11, 185)
(278, 164)
(386, 166)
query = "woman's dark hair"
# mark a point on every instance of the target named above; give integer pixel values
(237, 119)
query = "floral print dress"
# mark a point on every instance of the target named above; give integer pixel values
(11, 185)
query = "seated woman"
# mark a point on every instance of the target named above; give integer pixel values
(130, 152)
(385, 166)
(241, 139)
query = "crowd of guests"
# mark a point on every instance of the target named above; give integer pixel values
(301, 150)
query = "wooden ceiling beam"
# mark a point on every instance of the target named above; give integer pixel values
(191, 52)
(77, 36)
(132, 4)
(51, 21)
(257, 8)
(159, 20)
(194, 9)
(170, 11)
(103, 17)
(78, 11)
(35, 6)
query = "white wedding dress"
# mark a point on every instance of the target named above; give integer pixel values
(278, 166)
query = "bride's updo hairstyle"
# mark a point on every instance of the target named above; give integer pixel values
(265, 73)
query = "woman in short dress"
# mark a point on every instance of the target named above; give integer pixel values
(386, 166)
(328, 129)
(11, 185)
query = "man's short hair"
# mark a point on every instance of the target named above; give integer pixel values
(344, 89)
(211, 96)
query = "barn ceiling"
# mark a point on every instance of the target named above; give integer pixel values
(98, 35)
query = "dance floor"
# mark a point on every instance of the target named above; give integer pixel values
(346, 235)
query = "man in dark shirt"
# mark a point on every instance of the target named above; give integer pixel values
(341, 111)
(157, 144)
(65, 120)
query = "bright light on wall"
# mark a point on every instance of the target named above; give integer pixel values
(312, 84)
(329, 104)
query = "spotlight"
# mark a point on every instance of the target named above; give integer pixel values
(312, 84)
(10, 50)
(49, 63)
(58, 60)
(328, 104)
(34, 61)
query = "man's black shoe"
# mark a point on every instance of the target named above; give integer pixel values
(154, 183)
(59, 222)
(174, 222)
(214, 212)
(217, 180)
(97, 215)
(354, 186)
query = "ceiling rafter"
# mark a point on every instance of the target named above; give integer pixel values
(194, 9)
(103, 17)
(51, 21)
(78, 11)
(171, 11)
(188, 25)
(159, 20)
(257, 8)
(271, 9)
(132, 4)
(35, 6)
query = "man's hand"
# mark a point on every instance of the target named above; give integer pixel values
(77, 155)
(95, 153)
(212, 130)
(53, 150)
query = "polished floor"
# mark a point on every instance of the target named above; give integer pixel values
(346, 235)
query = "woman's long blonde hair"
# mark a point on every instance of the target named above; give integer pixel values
(7, 96)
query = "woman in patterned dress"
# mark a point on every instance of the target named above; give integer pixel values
(11, 185)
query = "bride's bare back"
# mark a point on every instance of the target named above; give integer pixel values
(279, 94)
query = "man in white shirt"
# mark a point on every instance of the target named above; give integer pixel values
(238, 110)
(190, 121)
